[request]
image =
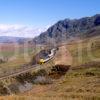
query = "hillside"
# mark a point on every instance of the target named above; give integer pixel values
(67, 29)
(80, 82)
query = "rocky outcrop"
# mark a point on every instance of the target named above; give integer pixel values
(67, 29)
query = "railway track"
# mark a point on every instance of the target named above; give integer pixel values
(18, 73)
(28, 69)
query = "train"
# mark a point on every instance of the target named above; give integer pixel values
(50, 56)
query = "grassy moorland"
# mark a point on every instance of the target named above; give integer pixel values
(80, 82)
(85, 51)
(15, 56)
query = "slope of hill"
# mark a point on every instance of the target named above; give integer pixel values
(68, 29)
(81, 81)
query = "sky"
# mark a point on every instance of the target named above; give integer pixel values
(28, 18)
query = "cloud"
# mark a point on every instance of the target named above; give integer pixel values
(20, 30)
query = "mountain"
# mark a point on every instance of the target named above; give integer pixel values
(68, 29)
(8, 39)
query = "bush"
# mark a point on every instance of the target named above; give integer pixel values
(41, 72)
(3, 90)
(25, 77)
(14, 88)
(89, 74)
(62, 69)
(42, 80)
(29, 77)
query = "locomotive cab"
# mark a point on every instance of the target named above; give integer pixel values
(41, 61)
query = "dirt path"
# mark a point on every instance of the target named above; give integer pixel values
(63, 56)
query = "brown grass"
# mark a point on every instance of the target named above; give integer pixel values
(63, 56)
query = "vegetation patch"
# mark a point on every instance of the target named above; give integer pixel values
(3, 89)
(42, 80)
(58, 70)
